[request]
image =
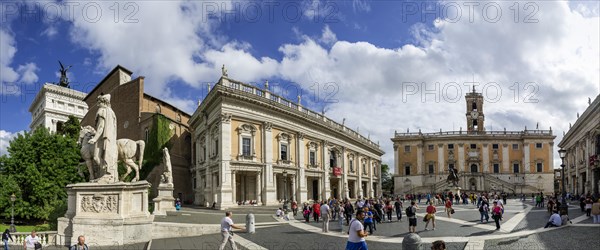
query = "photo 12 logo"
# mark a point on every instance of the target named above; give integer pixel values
(452, 12)
(453, 92)
(89, 11)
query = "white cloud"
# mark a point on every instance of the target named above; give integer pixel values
(368, 85)
(10, 78)
(561, 62)
(27, 72)
(328, 37)
(361, 6)
(51, 31)
(5, 137)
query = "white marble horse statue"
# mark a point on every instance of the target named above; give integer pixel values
(127, 150)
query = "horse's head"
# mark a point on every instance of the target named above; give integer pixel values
(85, 134)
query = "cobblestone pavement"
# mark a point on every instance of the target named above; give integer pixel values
(522, 228)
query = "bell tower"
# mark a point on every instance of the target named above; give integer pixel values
(474, 113)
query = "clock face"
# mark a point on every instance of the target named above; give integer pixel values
(474, 114)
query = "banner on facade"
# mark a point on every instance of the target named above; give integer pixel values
(337, 171)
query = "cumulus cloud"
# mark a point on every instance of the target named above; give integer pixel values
(546, 66)
(5, 137)
(10, 78)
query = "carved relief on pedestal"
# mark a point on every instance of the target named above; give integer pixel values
(100, 203)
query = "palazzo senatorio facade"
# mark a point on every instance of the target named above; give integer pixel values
(252, 145)
(582, 143)
(509, 161)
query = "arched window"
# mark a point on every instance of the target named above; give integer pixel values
(473, 168)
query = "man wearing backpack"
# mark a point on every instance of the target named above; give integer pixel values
(80, 244)
(411, 213)
(484, 208)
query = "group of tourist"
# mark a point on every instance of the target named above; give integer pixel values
(33, 242)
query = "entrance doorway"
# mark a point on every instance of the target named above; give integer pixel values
(315, 189)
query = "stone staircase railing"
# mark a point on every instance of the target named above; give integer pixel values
(47, 238)
(499, 182)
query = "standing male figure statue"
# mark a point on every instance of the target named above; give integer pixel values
(105, 140)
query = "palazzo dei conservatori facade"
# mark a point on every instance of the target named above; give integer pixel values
(249, 144)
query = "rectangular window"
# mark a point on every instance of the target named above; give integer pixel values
(516, 168)
(430, 168)
(216, 146)
(406, 170)
(450, 146)
(364, 168)
(539, 167)
(538, 145)
(407, 148)
(284, 151)
(312, 158)
(430, 147)
(496, 168)
(473, 146)
(203, 153)
(351, 165)
(515, 146)
(195, 183)
(494, 146)
(246, 146)
(451, 165)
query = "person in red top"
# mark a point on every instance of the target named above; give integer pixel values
(497, 214)
(448, 207)
(316, 211)
(431, 210)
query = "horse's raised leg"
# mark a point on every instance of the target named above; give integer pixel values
(131, 165)
(128, 170)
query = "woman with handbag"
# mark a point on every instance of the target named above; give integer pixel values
(449, 209)
(430, 216)
(32, 242)
(497, 214)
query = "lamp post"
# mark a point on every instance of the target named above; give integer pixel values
(564, 209)
(12, 214)
(285, 201)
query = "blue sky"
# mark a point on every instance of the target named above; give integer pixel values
(538, 63)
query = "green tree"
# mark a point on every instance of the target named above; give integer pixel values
(71, 127)
(387, 182)
(37, 168)
(159, 137)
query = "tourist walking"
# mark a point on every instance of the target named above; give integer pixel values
(430, 216)
(496, 214)
(349, 209)
(294, 207)
(411, 214)
(306, 212)
(226, 231)
(388, 210)
(398, 207)
(356, 233)
(316, 210)
(369, 223)
(80, 244)
(588, 206)
(341, 214)
(484, 209)
(596, 211)
(448, 207)
(31, 241)
(5, 236)
(325, 216)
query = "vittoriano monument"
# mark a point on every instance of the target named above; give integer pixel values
(107, 210)
(64, 80)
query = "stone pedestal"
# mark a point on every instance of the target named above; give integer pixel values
(106, 214)
(164, 201)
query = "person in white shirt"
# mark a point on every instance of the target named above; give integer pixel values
(554, 221)
(356, 233)
(279, 212)
(325, 216)
(30, 240)
(226, 231)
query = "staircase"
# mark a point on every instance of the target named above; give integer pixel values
(507, 186)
